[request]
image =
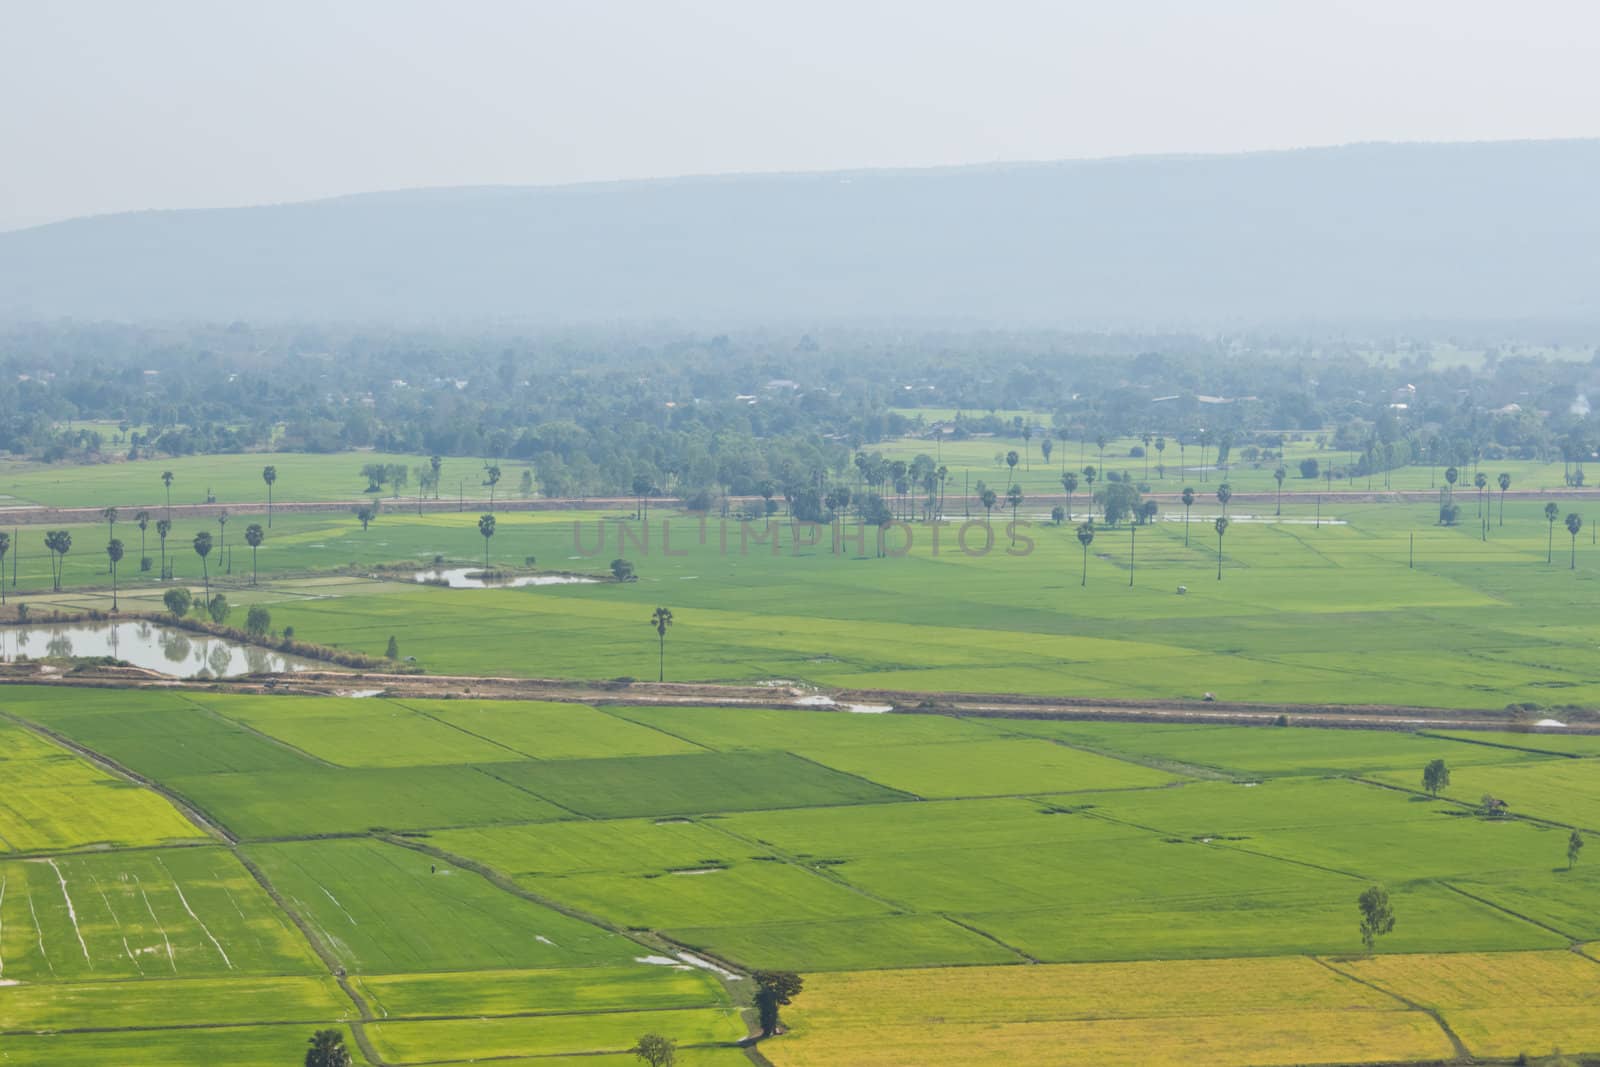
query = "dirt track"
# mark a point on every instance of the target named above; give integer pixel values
(786, 696)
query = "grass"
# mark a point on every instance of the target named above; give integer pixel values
(633, 987)
(550, 1035)
(544, 730)
(171, 1003)
(242, 1046)
(381, 908)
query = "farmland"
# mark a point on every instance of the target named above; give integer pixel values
(487, 883)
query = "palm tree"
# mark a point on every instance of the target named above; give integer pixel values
(1188, 502)
(1101, 441)
(988, 498)
(1133, 536)
(1161, 464)
(436, 464)
(491, 477)
(328, 1050)
(110, 515)
(202, 548)
(1574, 524)
(1027, 453)
(163, 528)
(59, 542)
(5, 546)
(1550, 513)
(661, 618)
(114, 554)
(222, 546)
(1450, 476)
(1222, 528)
(1011, 465)
(142, 520)
(1069, 482)
(253, 536)
(942, 474)
(486, 529)
(1224, 494)
(1086, 538)
(1505, 483)
(1014, 498)
(1278, 476)
(1145, 439)
(269, 475)
(166, 480)
(1480, 480)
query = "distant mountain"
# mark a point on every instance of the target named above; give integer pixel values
(1371, 232)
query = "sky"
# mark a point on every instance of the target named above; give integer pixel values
(118, 106)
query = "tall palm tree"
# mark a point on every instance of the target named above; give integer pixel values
(110, 515)
(1550, 513)
(486, 531)
(253, 536)
(436, 464)
(1133, 536)
(1161, 463)
(1145, 439)
(142, 520)
(269, 475)
(202, 548)
(988, 498)
(1574, 524)
(222, 546)
(163, 528)
(1027, 453)
(661, 618)
(1278, 476)
(1222, 528)
(1450, 476)
(59, 542)
(1188, 502)
(1014, 498)
(166, 480)
(114, 555)
(1224, 494)
(5, 546)
(1479, 481)
(1011, 464)
(491, 478)
(1069, 482)
(1086, 538)
(1505, 483)
(1101, 440)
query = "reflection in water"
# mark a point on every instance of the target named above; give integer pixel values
(456, 578)
(174, 645)
(152, 646)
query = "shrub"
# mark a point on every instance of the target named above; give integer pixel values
(1309, 468)
(218, 609)
(178, 601)
(257, 621)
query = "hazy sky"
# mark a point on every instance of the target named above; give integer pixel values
(111, 106)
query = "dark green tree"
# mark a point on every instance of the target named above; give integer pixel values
(1222, 528)
(1069, 482)
(1574, 846)
(1505, 483)
(1435, 777)
(1188, 502)
(1224, 494)
(114, 556)
(253, 536)
(656, 1050)
(166, 480)
(1574, 524)
(178, 601)
(988, 498)
(1014, 498)
(257, 621)
(218, 608)
(163, 528)
(202, 548)
(1551, 513)
(1278, 476)
(486, 531)
(1011, 465)
(392, 651)
(142, 520)
(1377, 916)
(774, 990)
(491, 478)
(328, 1050)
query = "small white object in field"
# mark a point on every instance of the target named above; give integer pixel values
(1209, 696)
(1182, 589)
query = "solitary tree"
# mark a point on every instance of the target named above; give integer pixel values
(1188, 502)
(110, 515)
(202, 548)
(1086, 538)
(114, 556)
(1574, 846)
(1450, 476)
(392, 651)
(988, 498)
(656, 1050)
(1278, 476)
(1014, 498)
(253, 536)
(1505, 483)
(1550, 514)
(774, 989)
(1011, 464)
(163, 528)
(436, 465)
(1222, 528)
(1435, 776)
(178, 601)
(1133, 536)
(1046, 446)
(222, 529)
(328, 1050)
(486, 531)
(5, 546)
(365, 514)
(1069, 482)
(166, 480)
(1377, 917)
(1161, 447)
(661, 618)
(1574, 524)
(269, 475)
(257, 621)
(1480, 481)
(1224, 494)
